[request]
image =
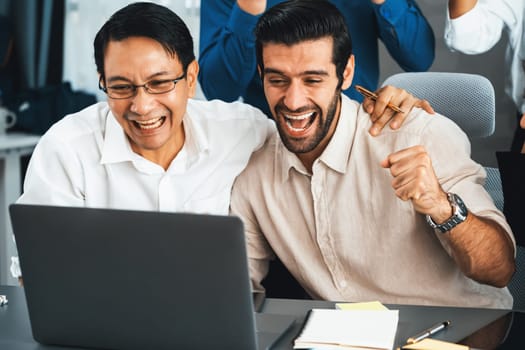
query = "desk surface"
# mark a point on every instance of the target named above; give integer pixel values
(15, 330)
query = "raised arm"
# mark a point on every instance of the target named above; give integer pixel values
(406, 33)
(457, 8)
(227, 46)
(474, 27)
(481, 244)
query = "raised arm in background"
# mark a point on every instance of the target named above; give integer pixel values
(227, 45)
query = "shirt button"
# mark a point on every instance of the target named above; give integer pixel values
(343, 284)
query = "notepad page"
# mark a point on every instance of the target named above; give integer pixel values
(375, 329)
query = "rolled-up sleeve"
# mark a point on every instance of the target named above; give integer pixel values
(479, 29)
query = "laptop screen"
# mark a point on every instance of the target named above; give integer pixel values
(105, 278)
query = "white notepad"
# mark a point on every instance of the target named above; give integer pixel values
(348, 329)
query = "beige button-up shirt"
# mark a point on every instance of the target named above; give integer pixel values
(343, 233)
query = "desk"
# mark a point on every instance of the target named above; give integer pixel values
(15, 330)
(12, 147)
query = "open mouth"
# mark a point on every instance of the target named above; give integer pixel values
(150, 123)
(299, 123)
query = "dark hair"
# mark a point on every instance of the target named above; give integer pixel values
(145, 19)
(295, 21)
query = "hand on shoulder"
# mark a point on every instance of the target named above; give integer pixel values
(381, 114)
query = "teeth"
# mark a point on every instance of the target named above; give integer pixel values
(293, 121)
(150, 123)
(295, 129)
(299, 117)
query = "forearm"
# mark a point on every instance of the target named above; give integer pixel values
(482, 250)
(457, 8)
(227, 50)
(253, 7)
(406, 34)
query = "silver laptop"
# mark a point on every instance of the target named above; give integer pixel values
(117, 279)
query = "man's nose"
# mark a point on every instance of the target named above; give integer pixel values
(143, 102)
(295, 96)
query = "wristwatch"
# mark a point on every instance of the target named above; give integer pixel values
(459, 214)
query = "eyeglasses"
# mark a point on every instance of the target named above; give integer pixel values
(126, 90)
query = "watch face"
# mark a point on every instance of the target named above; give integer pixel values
(460, 204)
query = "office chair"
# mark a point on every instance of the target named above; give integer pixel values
(469, 100)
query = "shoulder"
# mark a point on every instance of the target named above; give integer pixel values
(420, 122)
(221, 111)
(435, 132)
(90, 120)
(264, 162)
(235, 119)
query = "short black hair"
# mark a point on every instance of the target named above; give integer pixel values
(145, 19)
(295, 21)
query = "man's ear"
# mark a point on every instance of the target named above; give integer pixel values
(191, 77)
(348, 73)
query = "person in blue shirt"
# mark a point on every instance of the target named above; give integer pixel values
(227, 44)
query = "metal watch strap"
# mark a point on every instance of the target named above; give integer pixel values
(458, 216)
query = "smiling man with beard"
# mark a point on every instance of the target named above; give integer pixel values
(402, 217)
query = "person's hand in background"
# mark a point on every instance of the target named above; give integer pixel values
(253, 7)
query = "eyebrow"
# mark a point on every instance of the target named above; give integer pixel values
(152, 76)
(306, 72)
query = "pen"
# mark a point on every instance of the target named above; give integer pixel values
(373, 96)
(428, 332)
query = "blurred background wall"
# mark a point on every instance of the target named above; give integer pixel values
(49, 49)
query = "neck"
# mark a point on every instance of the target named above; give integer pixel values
(165, 154)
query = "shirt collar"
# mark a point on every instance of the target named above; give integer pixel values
(116, 147)
(336, 153)
(197, 137)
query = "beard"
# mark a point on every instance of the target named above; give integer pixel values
(308, 143)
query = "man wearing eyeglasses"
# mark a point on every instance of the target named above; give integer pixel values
(150, 146)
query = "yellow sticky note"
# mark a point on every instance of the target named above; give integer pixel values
(370, 305)
(434, 344)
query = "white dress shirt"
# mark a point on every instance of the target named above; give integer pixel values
(85, 159)
(479, 29)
